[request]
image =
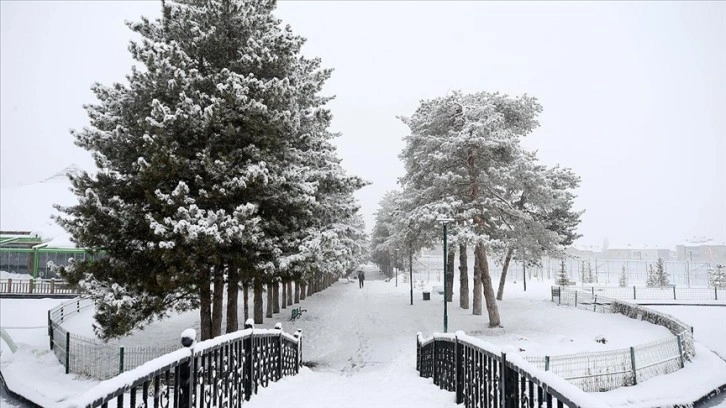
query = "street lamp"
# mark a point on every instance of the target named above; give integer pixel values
(445, 221)
(395, 260)
(410, 271)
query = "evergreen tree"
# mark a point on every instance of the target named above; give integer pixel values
(562, 278)
(214, 163)
(717, 277)
(623, 278)
(660, 276)
(652, 280)
(464, 160)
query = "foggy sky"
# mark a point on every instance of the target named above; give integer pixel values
(634, 94)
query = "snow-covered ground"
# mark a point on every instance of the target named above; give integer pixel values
(360, 345)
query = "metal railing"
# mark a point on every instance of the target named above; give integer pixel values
(91, 357)
(224, 371)
(602, 371)
(481, 375)
(668, 293)
(36, 286)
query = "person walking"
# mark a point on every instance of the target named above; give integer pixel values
(361, 278)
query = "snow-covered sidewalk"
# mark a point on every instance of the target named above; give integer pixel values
(360, 347)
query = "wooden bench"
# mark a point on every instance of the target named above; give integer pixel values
(296, 313)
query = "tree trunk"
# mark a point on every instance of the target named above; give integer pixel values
(246, 300)
(486, 280)
(205, 312)
(476, 290)
(450, 273)
(283, 303)
(232, 296)
(270, 300)
(257, 293)
(289, 292)
(297, 291)
(303, 288)
(505, 268)
(463, 278)
(276, 297)
(217, 304)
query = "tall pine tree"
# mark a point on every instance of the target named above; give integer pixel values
(211, 161)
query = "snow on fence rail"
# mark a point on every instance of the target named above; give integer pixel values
(482, 375)
(669, 293)
(35, 286)
(91, 357)
(602, 371)
(224, 371)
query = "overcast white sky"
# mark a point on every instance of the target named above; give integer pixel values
(634, 93)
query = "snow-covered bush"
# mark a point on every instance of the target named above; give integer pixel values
(717, 277)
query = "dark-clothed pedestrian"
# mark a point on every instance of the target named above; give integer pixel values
(361, 278)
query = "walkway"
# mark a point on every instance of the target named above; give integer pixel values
(368, 356)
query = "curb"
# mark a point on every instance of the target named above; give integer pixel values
(15, 395)
(705, 398)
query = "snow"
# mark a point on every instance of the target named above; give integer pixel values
(29, 208)
(359, 345)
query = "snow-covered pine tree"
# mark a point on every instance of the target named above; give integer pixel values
(717, 277)
(464, 160)
(623, 278)
(562, 278)
(660, 275)
(202, 164)
(652, 280)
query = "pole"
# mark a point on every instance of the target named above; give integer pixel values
(446, 317)
(410, 273)
(395, 270)
(524, 274)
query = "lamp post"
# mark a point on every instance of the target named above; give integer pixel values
(395, 260)
(524, 269)
(410, 272)
(445, 221)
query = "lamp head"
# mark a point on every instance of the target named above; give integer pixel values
(445, 220)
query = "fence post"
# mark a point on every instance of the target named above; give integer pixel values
(433, 359)
(715, 292)
(185, 370)
(121, 359)
(278, 327)
(674, 292)
(31, 284)
(418, 353)
(575, 298)
(503, 381)
(10, 285)
(68, 352)
(50, 330)
(52, 285)
(298, 358)
(459, 373)
(632, 365)
(248, 364)
(593, 291)
(547, 363)
(680, 349)
(634, 292)
(78, 305)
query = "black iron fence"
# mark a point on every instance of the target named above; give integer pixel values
(481, 375)
(221, 372)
